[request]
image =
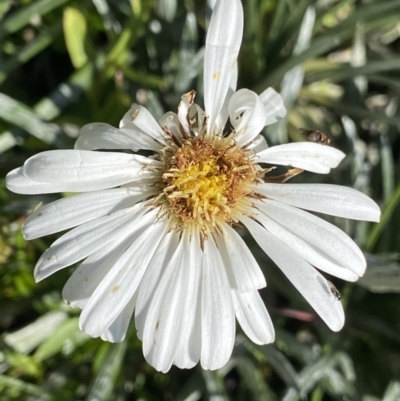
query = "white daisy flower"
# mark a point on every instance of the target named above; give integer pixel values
(157, 235)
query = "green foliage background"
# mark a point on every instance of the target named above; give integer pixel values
(65, 63)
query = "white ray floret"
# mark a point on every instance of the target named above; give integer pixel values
(156, 236)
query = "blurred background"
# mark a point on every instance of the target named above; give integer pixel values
(65, 63)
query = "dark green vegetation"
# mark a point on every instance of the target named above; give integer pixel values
(65, 63)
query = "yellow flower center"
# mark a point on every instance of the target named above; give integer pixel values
(206, 181)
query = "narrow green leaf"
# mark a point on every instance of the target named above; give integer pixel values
(19, 386)
(30, 336)
(383, 274)
(20, 115)
(22, 17)
(142, 77)
(215, 386)
(4, 7)
(252, 378)
(67, 92)
(350, 109)
(111, 25)
(105, 379)
(385, 219)
(65, 338)
(388, 174)
(281, 365)
(29, 51)
(74, 24)
(392, 392)
(347, 72)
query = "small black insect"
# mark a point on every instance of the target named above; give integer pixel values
(316, 136)
(335, 292)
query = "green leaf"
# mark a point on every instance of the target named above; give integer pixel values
(104, 381)
(281, 365)
(215, 386)
(74, 24)
(29, 51)
(66, 337)
(23, 17)
(19, 386)
(383, 273)
(387, 213)
(30, 336)
(20, 115)
(348, 72)
(392, 393)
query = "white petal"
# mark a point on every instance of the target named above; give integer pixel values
(152, 277)
(84, 171)
(253, 317)
(239, 261)
(217, 313)
(139, 119)
(170, 121)
(247, 115)
(117, 331)
(104, 136)
(258, 144)
(308, 281)
(335, 200)
(122, 281)
(320, 243)
(308, 156)
(183, 112)
(273, 104)
(164, 320)
(72, 211)
(90, 273)
(82, 241)
(188, 347)
(224, 113)
(17, 182)
(223, 41)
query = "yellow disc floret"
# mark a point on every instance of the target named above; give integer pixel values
(206, 181)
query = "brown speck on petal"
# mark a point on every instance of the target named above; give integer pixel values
(115, 288)
(134, 114)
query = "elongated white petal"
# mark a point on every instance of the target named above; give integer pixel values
(321, 244)
(165, 317)
(122, 281)
(308, 156)
(152, 277)
(81, 171)
(139, 119)
(239, 261)
(258, 144)
(183, 112)
(17, 182)
(247, 115)
(89, 274)
(217, 313)
(253, 317)
(188, 348)
(273, 105)
(170, 122)
(104, 136)
(75, 210)
(82, 241)
(222, 117)
(324, 198)
(308, 281)
(118, 328)
(223, 41)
